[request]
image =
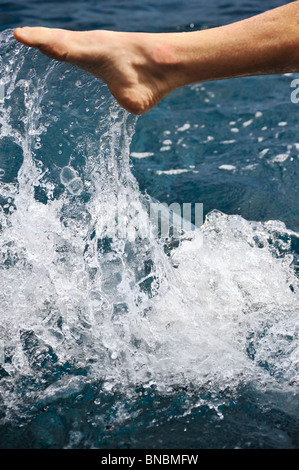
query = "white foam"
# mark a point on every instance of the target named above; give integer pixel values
(184, 128)
(282, 157)
(227, 142)
(227, 167)
(141, 154)
(247, 123)
(177, 171)
(264, 152)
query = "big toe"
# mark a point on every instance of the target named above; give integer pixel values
(52, 42)
(34, 37)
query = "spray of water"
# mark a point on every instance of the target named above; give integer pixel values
(79, 301)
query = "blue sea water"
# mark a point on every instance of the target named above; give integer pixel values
(118, 344)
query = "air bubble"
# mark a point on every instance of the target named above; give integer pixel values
(67, 175)
(75, 186)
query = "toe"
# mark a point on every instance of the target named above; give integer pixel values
(51, 41)
(34, 37)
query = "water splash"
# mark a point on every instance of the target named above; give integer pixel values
(79, 304)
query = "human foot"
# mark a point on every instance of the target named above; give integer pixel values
(132, 64)
(141, 68)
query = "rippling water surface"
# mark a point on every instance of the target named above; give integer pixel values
(131, 341)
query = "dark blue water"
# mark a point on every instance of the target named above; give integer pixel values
(231, 145)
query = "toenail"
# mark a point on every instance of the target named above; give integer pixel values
(24, 31)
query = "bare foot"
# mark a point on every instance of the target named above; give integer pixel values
(132, 64)
(141, 68)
